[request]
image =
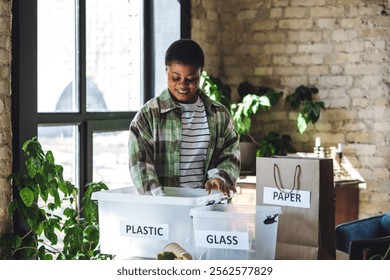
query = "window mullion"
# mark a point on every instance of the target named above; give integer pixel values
(85, 157)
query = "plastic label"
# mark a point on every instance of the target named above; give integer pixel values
(222, 239)
(296, 198)
(144, 230)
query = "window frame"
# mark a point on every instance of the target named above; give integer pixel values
(24, 115)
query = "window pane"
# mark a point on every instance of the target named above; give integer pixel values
(166, 22)
(110, 159)
(56, 56)
(62, 140)
(113, 55)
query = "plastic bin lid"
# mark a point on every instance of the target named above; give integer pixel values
(234, 211)
(175, 196)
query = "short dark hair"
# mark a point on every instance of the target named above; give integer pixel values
(185, 51)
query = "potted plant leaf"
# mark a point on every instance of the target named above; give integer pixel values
(309, 110)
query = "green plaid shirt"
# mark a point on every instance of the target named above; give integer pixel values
(154, 144)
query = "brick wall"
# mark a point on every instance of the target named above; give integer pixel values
(5, 110)
(341, 47)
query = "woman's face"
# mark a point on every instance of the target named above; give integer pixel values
(183, 82)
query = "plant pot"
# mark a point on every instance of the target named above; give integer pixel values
(248, 158)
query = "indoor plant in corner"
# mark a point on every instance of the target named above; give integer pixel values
(42, 180)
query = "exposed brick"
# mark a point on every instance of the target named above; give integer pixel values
(349, 23)
(362, 149)
(335, 81)
(344, 35)
(360, 102)
(279, 49)
(297, 24)
(281, 60)
(318, 70)
(280, 3)
(382, 126)
(326, 23)
(276, 13)
(264, 25)
(272, 37)
(364, 69)
(293, 81)
(288, 71)
(375, 45)
(349, 47)
(247, 14)
(212, 16)
(336, 69)
(308, 3)
(316, 48)
(305, 36)
(263, 71)
(327, 12)
(295, 12)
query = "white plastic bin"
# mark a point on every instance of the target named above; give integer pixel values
(139, 226)
(235, 232)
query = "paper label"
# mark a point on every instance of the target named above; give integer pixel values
(222, 239)
(144, 230)
(296, 198)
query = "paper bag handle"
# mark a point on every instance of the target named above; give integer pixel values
(296, 178)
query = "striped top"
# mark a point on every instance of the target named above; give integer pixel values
(195, 140)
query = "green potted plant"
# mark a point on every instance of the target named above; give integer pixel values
(48, 206)
(308, 112)
(254, 99)
(242, 112)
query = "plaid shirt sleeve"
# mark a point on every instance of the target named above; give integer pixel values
(225, 162)
(142, 169)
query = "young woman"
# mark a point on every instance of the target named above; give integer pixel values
(182, 138)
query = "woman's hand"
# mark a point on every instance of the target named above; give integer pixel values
(219, 185)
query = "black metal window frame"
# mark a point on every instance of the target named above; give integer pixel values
(25, 117)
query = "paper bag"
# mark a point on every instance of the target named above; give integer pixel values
(303, 188)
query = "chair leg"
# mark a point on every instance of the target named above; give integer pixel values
(366, 254)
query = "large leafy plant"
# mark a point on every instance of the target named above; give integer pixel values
(47, 205)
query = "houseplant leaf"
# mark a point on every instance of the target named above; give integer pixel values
(27, 196)
(301, 123)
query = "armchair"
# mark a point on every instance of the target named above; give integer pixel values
(366, 238)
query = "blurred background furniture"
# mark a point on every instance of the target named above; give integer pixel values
(367, 238)
(346, 200)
